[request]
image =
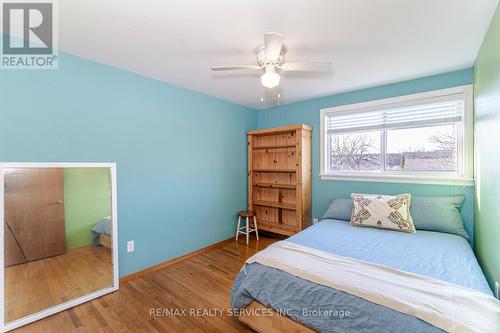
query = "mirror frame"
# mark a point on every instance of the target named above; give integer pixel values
(82, 299)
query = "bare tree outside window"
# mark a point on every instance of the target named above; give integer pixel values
(355, 152)
(412, 149)
(422, 149)
(446, 142)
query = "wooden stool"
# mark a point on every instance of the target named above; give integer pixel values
(247, 230)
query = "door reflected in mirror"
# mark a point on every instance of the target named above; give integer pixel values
(57, 236)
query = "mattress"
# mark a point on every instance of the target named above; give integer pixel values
(443, 256)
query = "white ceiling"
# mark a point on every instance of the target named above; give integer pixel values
(370, 42)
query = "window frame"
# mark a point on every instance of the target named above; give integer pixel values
(465, 149)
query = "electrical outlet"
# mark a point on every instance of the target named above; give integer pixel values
(130, 246)
(497, 290)
(315, 221)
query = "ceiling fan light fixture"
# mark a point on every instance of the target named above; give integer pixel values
(270, 78)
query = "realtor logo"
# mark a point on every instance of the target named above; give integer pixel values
(29, 35)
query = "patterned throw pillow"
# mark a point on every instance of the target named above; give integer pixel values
(382, 211)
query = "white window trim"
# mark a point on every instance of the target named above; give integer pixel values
(419, 177)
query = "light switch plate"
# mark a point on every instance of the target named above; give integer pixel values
(130, 246)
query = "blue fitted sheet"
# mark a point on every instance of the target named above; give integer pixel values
(439, 255)
(442, 256)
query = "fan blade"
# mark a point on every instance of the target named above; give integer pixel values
(273, 43)
(236, 68)
(307, 66)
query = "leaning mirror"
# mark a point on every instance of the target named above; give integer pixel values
(59, 238)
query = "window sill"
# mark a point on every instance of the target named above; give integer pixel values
(411, 179)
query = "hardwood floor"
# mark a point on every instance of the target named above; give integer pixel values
(199, 283)
(41, 284)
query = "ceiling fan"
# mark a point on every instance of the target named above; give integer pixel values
(270, 58)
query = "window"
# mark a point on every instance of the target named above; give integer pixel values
(417, 138)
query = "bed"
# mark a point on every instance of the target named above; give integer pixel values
(101, 233)
(306, 305)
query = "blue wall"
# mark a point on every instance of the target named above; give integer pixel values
(308, 112)
(181, 156)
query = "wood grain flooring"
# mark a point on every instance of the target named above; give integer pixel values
(41, 284)
(189, 296)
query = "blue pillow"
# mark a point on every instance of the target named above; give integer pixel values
(339, 209)
(438, 214)
(428, 213)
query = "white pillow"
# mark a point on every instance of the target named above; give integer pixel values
(382, 211)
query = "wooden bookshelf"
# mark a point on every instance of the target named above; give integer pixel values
(273, 185)
(279, 178)
(275, 146)
(274, 170)
(274, 204)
